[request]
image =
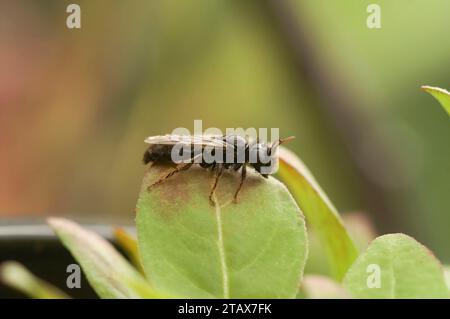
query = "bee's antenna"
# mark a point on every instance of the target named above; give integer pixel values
(275, 144)
(282, 141)
(285, 140)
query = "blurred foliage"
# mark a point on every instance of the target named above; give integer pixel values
(18, 277)
(75, 105)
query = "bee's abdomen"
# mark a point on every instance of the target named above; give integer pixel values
(158, 152)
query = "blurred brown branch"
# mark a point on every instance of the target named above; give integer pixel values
(340, 107)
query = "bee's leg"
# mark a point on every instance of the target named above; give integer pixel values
(177, 169)
(243, 175)
(219, 172)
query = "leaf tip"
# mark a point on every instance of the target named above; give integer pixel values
(7, 270)
(58, 223)
(431, 89)
(54, 221)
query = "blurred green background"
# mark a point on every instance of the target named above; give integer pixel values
(75, 105)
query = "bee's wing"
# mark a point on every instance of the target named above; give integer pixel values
(204, 140)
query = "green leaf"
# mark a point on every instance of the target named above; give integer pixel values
(447, 275)
(442, 95)
(130, 246)
(18, 277)
(320, 213)
(396, 266)
(361, 231)
(108, 272)
(321, 287)
(255, 248)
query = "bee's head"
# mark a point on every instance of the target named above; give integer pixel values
(267, 162)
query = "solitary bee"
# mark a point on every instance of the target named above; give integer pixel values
(214, 152)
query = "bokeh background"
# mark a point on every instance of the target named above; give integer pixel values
(75, 105)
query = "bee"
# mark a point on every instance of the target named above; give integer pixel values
(226, 152)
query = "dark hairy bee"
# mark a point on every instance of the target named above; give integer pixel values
(214, 152)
